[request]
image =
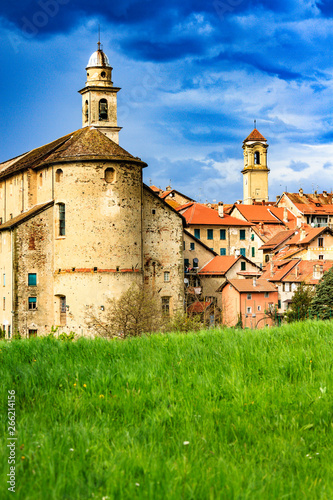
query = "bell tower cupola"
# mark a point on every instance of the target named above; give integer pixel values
(255, 172)
(99, 96)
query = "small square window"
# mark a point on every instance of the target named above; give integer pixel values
(243, 252)
(192, 246)
(249, 296)
(223, 251)
(259, 308)
(166, 276)
(32, 303)
(249, 310)
(321, 257)
(266, 295)
(153, 211)
(32, 279)
(210, 234)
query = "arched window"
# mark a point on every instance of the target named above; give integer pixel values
(109, 175)
(257, 158)
(85, 111)
(103, 109)
(58, 175)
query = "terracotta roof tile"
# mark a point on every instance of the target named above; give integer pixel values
(15, 221)
(255, 136)
(84, 144)
(261, 213)
(262, 285)
(278, 239)
(199, 214)
(219, 265)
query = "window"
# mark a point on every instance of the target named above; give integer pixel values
(266, 295)
(186, 262)
(243, 266)
(153, 211)
(58, 175)
(195, 262)
(166, 276)
(32, 333)
(259, 308)
(242, 234)
(192, 246)
(223, 251)
(197, 233)
(62, 219)
(32, 279)
(320, 242)
(103, 109)
(4, 329)
(267, 258)
(32, 303)
(243, 252)
(109, 175)
(4, 279)
(249, 310)
(249, 296)
(4, 303)
(9, 331)
(253, 251)
(321, 257)
(209, 234)
(166, 306)
(183, 245)
(279, 304)
(252, 237)
(286, 287)
(257, 158)
(222, 234)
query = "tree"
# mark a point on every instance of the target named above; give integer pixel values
(322, 302)
(300, 304)
(137, 311)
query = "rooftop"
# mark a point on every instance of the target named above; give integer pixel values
(199, 214)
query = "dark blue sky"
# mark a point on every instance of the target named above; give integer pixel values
(194, 76)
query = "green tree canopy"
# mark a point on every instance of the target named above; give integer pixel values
(322, 302)
(301, 301)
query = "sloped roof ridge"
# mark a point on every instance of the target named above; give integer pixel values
(255, 136)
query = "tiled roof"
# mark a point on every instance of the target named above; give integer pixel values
(155, 189)
(219, 265)
(267, 231)
(312, 203)
(261, 285)
(198, 214)
(280, 269)
(255, 136)
(278, 239)
(261, 213)
(304, 271)
(198, 307)
(85, 144)
(25, 215)
(310, 234)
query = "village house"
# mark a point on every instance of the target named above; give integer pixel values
(314, 209)
(79, 227)
(224, 234)
(253, 302)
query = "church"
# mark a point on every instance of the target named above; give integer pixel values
(78, 226)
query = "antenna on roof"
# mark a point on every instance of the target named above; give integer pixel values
(255, 123)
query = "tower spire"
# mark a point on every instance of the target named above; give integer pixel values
(99, 37)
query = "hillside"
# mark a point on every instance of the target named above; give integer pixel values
(219, 414)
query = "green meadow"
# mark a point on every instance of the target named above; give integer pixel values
(220, 414)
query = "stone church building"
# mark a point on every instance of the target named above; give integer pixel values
(78, 226)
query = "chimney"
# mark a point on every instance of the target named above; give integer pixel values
(300, 192)
(285, 215)
(271, 266)
(220, 209)
(325, 193)
(302, 234)
(299, 222)
(168, 188)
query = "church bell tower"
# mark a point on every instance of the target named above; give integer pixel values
(255, 172)
(99, 96)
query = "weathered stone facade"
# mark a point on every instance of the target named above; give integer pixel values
(79, 227)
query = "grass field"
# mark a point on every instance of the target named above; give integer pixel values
(224, 414)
